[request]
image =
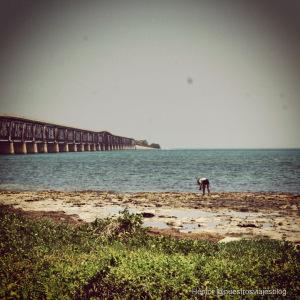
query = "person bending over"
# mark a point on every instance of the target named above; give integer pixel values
(203, 184)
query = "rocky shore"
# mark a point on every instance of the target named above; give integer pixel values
(220, 216)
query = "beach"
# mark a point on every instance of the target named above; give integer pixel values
(216, 217)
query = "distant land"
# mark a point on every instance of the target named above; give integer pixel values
(144, 144)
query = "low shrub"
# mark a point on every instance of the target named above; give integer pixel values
(115, 259)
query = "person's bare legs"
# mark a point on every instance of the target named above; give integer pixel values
(203, 187)
(208, 191)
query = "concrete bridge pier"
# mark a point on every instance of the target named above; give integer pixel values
(7, 148)
(11, 148)
(32, 147)
(80, 148)
(42, 148)
(87, 147)
(53, 148)
(63, 147)
(73, 147)
(98, 147)
(20, 147)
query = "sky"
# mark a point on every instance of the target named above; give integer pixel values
(184, 74)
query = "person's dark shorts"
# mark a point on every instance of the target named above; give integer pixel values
(206, 182)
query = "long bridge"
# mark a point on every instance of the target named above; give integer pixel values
(22, 136)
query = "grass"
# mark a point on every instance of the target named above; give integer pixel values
(116, 259)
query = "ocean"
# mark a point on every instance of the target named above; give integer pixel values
(255, 170)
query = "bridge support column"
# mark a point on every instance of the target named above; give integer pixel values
(32, 148)
(42, 148)
(20, 148)
(11, 148)
(56, 148)
(98, 148)
(81, 148)
(87, 147)
(64, 147)
(53, 148)
(72, 148)
(7, 148)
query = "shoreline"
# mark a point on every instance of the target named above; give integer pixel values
(231, 215)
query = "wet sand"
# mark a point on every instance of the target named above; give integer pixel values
(215, 217)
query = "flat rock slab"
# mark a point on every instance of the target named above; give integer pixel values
(222, 214)
(229, 239)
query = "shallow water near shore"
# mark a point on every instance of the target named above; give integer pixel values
(164, 170)
(243, 215)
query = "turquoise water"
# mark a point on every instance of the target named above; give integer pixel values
(164, 170)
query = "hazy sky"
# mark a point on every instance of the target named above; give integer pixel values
(200, 74)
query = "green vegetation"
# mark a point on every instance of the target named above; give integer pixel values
(116, 259)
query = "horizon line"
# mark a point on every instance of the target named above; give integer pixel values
(234, 148)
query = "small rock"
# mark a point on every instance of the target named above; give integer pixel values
(247, 225)
(294, 207)
(175, 223)
(244, 209)
(147, 214)
(165, 216)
